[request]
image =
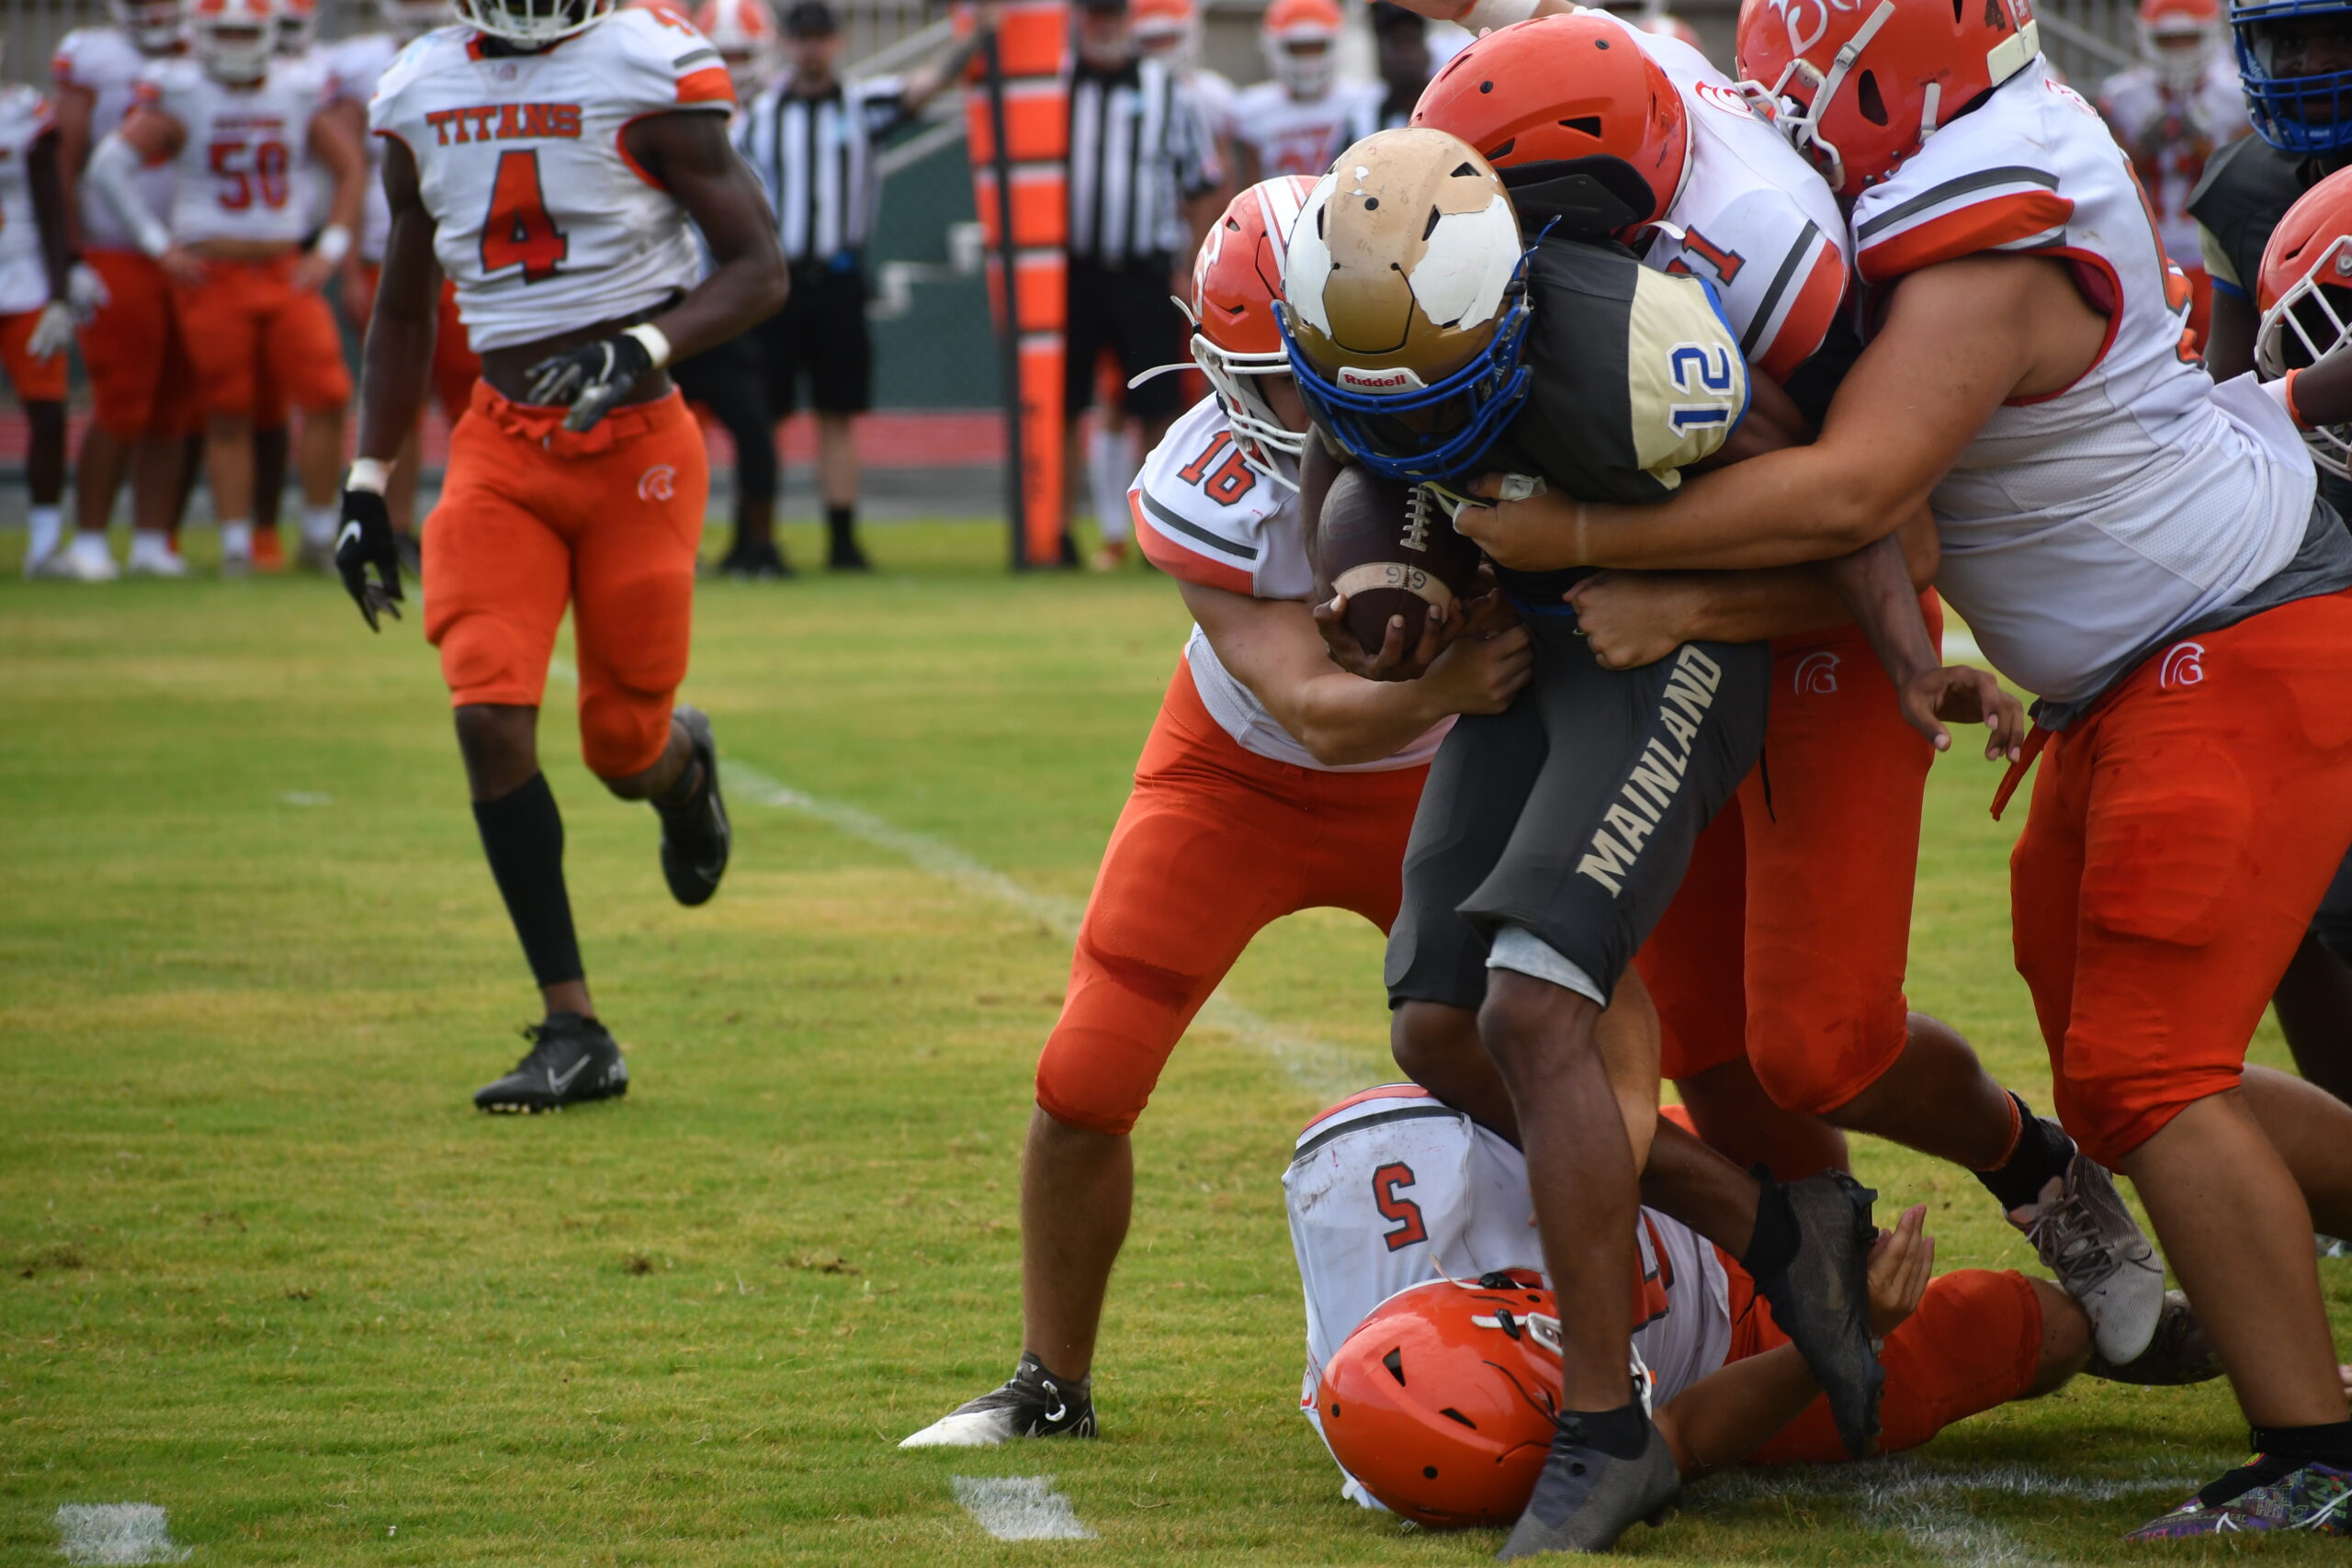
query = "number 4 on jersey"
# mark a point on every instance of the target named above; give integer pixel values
(519, 231)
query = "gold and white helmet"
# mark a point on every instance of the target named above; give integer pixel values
(1406, 313)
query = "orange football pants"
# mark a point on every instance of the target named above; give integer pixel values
(245, 315)
(1974, 1343)
(2180, 836)
(36, 381)
(1789, 936)
(139, 380)
(1215, 843)
(533, 517)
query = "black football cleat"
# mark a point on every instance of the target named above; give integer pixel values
(695, 837)
(1033, 1403)
(846, 555)
(1822, 1300)
(1585, 1499)
(755, 563)
(572, 1060)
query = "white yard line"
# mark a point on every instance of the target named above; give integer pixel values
(112, 1533)
(1019, 1507)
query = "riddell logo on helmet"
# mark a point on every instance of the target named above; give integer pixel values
(1357, 379)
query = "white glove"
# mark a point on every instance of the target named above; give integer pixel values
(53, 334)
(86, 291)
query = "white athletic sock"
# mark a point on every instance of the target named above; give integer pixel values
(1112, 458)
(48, 525)
(318, 523)
(156, 546)
(236, 541)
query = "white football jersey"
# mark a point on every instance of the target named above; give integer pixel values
(2080, 528)
(1293, 138)
(243, 149)
(543, 222)
(1215, 95)
(24, 279)
(106, 63)
(2169, 135)
(354, 68)
(1751, 218)
(1205, 516)
(1392, 1188)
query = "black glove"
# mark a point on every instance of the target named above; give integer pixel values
(588, 379)
(367, 540)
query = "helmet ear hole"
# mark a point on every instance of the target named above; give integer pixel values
(1868, 98)
(1585, 125)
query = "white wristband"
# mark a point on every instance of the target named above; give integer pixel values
(367, 474)
(333, 244)
(655, 344)
(1485, 15)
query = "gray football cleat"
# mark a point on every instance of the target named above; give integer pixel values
(2084, 1235)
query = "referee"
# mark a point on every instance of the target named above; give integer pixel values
(1143, 180)
(812, 138)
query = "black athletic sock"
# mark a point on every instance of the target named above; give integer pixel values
(2043, 1151)
(1621, 1433)
(2329, 1443)
(841, 527)
(1773, 1245)
(522, 833)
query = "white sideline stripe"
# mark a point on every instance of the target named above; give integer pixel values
(1317, 1065)
(1019, 1507)
(115, 1533)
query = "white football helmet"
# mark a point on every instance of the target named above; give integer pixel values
(233, 40)
(2181, 39)
(152, 24)
(534, 23)
(1302, 42)
(409, 18)
(743, 32)
(297, 26)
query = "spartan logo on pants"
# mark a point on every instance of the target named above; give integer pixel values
(1657, 776)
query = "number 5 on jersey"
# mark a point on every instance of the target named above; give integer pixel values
(519, 231)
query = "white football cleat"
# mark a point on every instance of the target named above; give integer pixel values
(2085, 1237)
(153, 556)
(85, 559)
(1033, 1403)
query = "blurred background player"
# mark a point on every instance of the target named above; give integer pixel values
(812, 138)
(1271, 782)
(298, 54)
(1169, 32)
(1401, 47)
(35, 322)
(1145, 178)
(356, 65)
(1297, 123)
(2170, 113)
(142, 402)
(577, 477)
(241, 130)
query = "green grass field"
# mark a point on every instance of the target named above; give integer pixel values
(266, 1266)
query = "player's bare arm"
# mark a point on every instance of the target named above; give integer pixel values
(601, 367)
(73, 107)
(394, 370)
(1273, 647)
(337, 147)
(2229, 335)
(1958, 339)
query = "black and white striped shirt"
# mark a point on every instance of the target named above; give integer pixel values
(815, 158)
(1138, 147)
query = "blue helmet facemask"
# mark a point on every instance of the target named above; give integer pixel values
(1430, 433)
(2303, 114)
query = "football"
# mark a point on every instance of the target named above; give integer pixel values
(1392, 551)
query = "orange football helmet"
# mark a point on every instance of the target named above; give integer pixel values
(2181, 39)
(233, 38)
(744, 33)
(1858, 88)
(1161, 29)
(1301, 38)
(297, 26)
(154, 26)
(1541, 98)
(1442, 1403)
(1237, 278)
(2304, 293)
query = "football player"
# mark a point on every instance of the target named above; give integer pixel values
(2172, 112)
(35, 322)
(1808, 876)
(357, 64)
(143, 404)
(240, 131)
(2141, 547)
(1429, 348)
(560, 189)
(1294, 123)
(1270, 782)
(1411, 1227)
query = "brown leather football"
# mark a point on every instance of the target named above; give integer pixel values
(1392, 550)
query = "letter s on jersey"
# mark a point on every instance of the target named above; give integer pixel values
(1404, 1210)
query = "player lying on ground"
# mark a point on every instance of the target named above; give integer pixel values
(561, 188)
(1437, 1399)
(1551, 839)
(2142, 549)
(1807, 872)
(1270, 782)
